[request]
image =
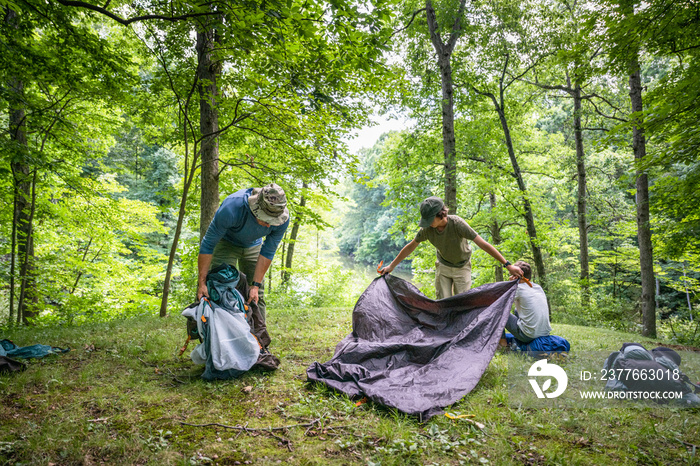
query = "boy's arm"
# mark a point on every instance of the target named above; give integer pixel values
(493, 252)
(404, 253)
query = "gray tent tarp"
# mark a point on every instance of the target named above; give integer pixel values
(413, 353)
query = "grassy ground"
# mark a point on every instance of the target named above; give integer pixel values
(122, 396)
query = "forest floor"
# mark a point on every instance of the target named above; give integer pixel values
(123, 396)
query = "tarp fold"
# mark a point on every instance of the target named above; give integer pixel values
(413, 353)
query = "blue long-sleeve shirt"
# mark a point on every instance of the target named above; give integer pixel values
(234, 222)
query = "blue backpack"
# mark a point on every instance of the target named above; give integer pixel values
(540, 347)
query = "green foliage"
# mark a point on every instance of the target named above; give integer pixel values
(96, 260)
(367, 232)
(682, 331)
(69, 77)
(677, 217)
(291, 87)
(112, 115)
(504, 50)
(319, 277)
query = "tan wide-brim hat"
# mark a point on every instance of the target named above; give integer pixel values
(269, 204)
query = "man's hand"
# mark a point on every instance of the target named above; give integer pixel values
(515, 271)
(388, 269)
(202, 291)
(253, 295)
(203, 263)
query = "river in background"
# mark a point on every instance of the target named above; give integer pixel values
(328, 275)
(371, 271)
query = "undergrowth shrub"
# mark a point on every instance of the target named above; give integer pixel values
(679, 330)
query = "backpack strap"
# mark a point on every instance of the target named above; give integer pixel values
(686, 379)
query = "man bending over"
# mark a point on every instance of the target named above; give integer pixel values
(235, 237)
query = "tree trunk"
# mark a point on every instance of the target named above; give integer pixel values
(658, 292)
(208, 70)
(82, 262)
(269, 279)
(22, 181)
(13, 255)
(448, 136)
(178, 229)
(529, 217)
(28, 292)
(687, 295)
(292, 241)
(581, 198)
(646, 257)
(208, 149)
(495, 235)
(190, 170)
(444, 54)
(282, 257)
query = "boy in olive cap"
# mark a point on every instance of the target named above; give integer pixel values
(450, 235)
(235, 237)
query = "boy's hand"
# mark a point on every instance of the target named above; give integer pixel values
(515, 271)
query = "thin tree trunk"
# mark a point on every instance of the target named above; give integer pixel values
(208, 71)
(28, 292)
(529, 217)
(16, 129)
(499, 106)
(575, 92)
(189, 172)
(448, 134)
(444, 53)
(80, 273)
(646, 256)
(21, 172)
(581, 198)
(13, 255)
(282, 258)
(178, 230)
(687, 295)
(292, 240)
(269, 279)
(495, 235)
(658, 291)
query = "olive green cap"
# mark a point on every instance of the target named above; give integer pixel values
(429, 208)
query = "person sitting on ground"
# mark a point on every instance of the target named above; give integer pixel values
(531, 317)
(450, 235)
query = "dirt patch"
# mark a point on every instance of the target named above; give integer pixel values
(678, 347)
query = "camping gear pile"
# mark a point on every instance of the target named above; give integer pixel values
(637, 369)
(10, 351)
(233, 335)
(413, 353)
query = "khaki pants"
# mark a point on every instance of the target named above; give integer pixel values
(245, 260)
(450, 281)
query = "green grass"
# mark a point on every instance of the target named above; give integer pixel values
(121, 396)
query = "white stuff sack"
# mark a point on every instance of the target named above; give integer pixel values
(232, 346)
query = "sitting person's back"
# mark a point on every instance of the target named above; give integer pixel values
(531, 317)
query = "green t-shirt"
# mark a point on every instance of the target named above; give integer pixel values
(451, 243)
